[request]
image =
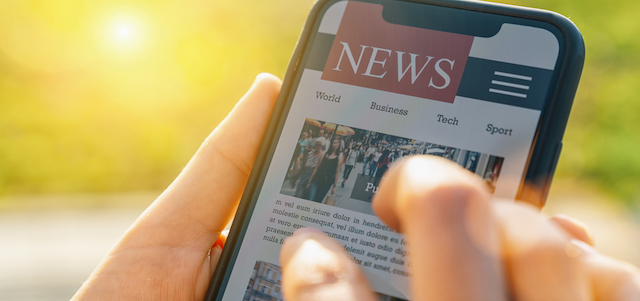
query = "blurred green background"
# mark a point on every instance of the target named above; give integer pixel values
(103, 96)
(107, 96)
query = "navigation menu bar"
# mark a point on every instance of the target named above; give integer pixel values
(505, 83)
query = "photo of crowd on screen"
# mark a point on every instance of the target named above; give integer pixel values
(326, 154)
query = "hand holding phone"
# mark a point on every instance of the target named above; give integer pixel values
(464, 246)
(514, 73)
(169, 252)
(167, 255)
(486, 86)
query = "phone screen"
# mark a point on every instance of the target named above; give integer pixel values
(378, 82)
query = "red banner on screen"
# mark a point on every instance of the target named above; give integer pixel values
(369, 52)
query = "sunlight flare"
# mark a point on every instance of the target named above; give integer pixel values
(125, 33)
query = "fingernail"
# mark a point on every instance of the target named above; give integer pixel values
(585, 246)
(577, 247)
(261, 76)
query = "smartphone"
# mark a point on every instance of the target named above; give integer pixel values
(487, 86)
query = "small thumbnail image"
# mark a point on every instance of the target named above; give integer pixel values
(265, 283)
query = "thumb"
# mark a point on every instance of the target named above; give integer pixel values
(203, 198)
(315, 267)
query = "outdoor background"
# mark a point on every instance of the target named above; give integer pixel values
(102, 102)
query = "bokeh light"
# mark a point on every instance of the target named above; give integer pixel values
(126, 33)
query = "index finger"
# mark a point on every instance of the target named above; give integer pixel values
(315, 267)
(445, 214)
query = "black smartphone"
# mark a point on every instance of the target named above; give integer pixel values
(488, 86)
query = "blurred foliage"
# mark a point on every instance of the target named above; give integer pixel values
(100, 95)
(604, 128)
(113, 95)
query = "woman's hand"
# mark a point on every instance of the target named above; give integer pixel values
(463, 245)
(167, 253)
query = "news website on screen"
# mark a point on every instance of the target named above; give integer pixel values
(365, 101)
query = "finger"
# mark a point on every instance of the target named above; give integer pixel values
(544, 263)
(573, 227)
(216, 250)
(444, 212)
(315, 267)
(612, 280)
(203, 198)
(209, 266)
